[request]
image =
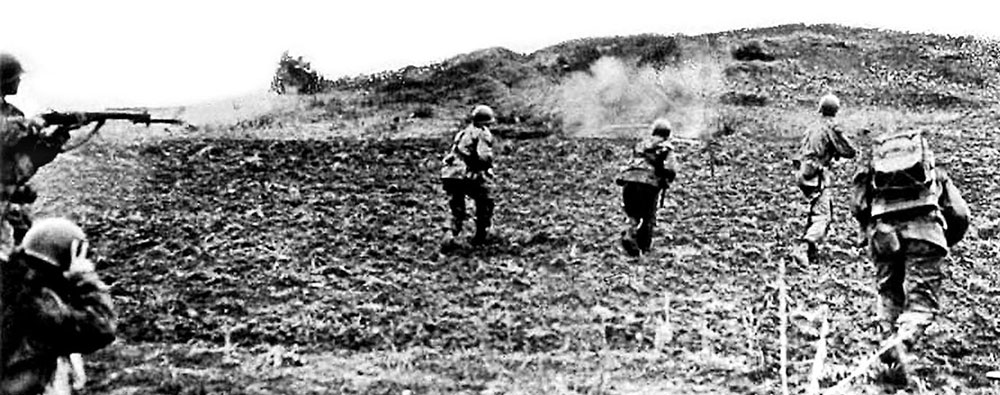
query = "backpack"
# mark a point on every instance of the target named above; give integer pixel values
(903, 173)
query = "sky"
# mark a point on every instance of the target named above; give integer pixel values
(94, 54)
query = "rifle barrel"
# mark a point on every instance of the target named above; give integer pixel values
(70, 118)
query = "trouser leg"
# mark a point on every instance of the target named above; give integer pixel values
(456, 203)
(481, 194)
(924, 267)
(633, 220)
(925, 274)
(818, 221)
(644, 237)
(890, 274)
(639, 202)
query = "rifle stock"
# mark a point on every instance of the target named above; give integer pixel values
(73, 118)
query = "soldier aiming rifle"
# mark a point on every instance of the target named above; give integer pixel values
(27, 144)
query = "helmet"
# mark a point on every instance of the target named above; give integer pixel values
(829, 104)
(662, 127)
(10, 67)
(482, 115)
(51, 239)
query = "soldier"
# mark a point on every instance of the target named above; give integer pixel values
(823, 143)
(53, 305)
(646, 175)
(10, 80)
(911, 213)
(468, 171)
(25, 146)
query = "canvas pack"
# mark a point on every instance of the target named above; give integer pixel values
(903, 173)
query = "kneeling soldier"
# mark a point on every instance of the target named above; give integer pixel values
(54, 307)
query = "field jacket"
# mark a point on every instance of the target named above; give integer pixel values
(47, 314)
(651, 163)
(944, 225)
(823, 143)
(470, 156)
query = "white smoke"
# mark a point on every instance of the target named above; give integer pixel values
(616, 99)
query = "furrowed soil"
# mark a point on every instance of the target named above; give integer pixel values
(324, 266)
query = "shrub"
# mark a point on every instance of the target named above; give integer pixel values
(751, 51)
(295, 75)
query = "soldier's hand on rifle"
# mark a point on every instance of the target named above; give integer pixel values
(79, 117)
(83, 140)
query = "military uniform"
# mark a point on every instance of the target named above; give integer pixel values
(24, 148)
(17, 221)
(47, 314)
(823, 143)
(909, 245)
(648, 171)
(468, 171)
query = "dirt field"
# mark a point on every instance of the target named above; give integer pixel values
(292, 266)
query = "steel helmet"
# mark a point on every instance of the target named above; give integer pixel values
(482, 114)
(10, 67)
(662, 127)
(51, 239)
(829, 105)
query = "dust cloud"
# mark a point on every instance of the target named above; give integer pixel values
(618, 99)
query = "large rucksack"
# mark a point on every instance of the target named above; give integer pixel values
(903, 174)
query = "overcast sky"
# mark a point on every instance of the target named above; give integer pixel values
(92, 54)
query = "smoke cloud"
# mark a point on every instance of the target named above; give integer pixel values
(618, 99)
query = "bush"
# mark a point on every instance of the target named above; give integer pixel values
(295, 75)
(751, 51)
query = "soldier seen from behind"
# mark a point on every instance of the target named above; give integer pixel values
(53, 305)
(646, 175)
(468, 171)
(26, 144)
(823, 143)
(911, 213)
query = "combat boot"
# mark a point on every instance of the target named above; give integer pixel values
(456, 227)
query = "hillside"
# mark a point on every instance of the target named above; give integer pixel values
(867, 67)
(299, 250)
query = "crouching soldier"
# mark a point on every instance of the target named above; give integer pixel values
(912, 214)
(468, 171)
(53, 306)
(823, 143)
(643, 179)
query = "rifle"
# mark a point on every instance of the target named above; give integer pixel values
(73, 118)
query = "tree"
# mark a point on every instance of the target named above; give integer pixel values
(295, 75)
